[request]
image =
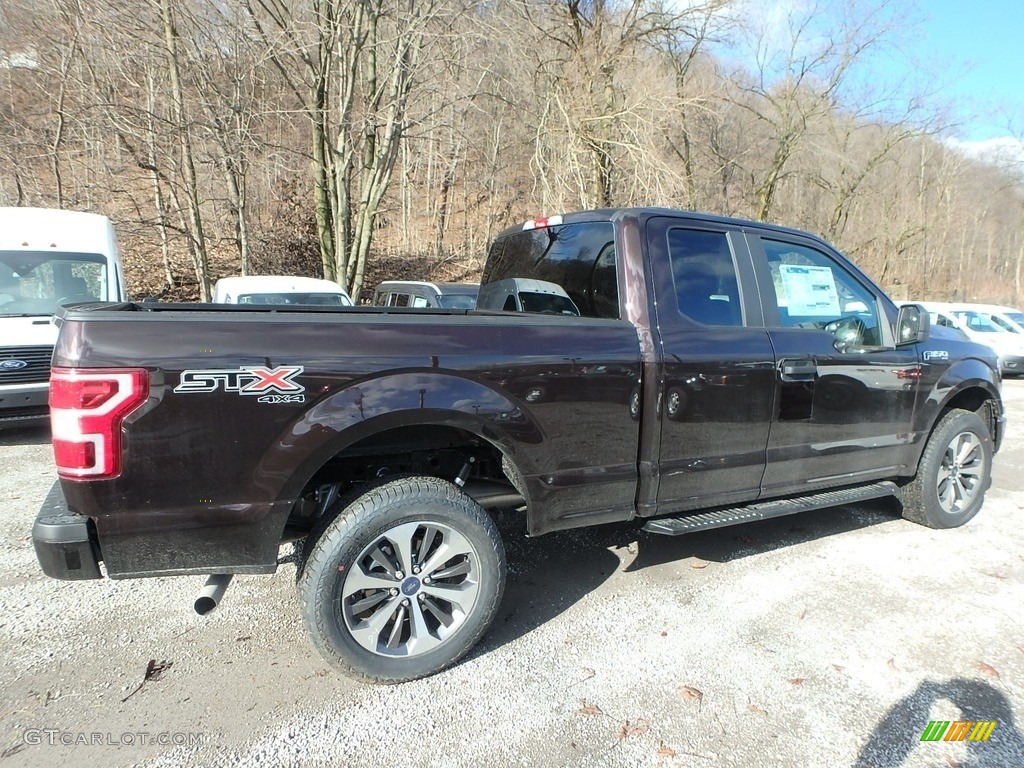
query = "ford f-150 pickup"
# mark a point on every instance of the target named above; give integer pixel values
(718, 371)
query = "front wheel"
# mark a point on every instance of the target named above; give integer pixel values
(403, 582)
(675, 403)
(954, 473)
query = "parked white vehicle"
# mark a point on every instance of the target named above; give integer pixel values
(48, 258)
(978, 325)
(522, 294)
(417, 293)
(269, 289)
(1007, 318)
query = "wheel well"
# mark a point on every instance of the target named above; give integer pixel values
(972, 399)
(439, 451)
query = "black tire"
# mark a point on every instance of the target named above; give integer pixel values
(954, 472)
(367, 616)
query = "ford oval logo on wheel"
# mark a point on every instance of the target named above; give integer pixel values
(12, 365)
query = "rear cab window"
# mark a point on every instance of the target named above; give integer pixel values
(564, 269)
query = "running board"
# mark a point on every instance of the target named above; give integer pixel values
(764, 510)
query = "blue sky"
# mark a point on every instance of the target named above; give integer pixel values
(978, 50)
(959, 63)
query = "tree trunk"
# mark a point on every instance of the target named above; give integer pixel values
(200, 260)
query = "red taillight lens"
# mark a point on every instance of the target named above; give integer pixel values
(87, 408)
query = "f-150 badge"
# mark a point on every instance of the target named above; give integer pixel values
(269, 385)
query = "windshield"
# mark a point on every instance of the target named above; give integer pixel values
(547, 302)
(316, 299)
(1017, 317)
(37, 283)
(457, 301)
(979, 322)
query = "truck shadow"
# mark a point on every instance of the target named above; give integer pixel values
(899, 733)
(546, 576)
(25, 436)
(550, 574)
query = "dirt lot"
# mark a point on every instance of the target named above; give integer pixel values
(829, 638)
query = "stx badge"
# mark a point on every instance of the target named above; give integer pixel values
(269, 385)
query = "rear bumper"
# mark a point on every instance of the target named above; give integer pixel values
(64, 544)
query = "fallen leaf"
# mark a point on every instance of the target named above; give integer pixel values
(639, 728)
(988, 669)
(243, 638)
(803, 613)
(746, 539)
(589, 709)
(838, 667)
(13, 750)
(587, 675)
(692, 694)
(796, 681)
(756, 709)
(664, 633)
(153, 672)
(952, 763)
(154, 669)
(995, 575)
(698, 564)
(892, 665)
(665, 751)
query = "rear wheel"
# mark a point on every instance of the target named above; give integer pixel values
(403, 582)
(954, 473)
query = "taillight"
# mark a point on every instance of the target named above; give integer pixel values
(87, 408)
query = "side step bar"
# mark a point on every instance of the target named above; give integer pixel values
(720, 518)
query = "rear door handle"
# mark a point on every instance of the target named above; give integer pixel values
(798, 370)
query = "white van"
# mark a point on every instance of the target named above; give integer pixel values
(417, 293)
(268, 289)
(524, 294)
(48, 258)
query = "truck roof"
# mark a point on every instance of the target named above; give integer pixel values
(441, 288)
(53, 229)
(610, 214)
(278, 284)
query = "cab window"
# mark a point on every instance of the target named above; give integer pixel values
(814, 291)
(704, 276)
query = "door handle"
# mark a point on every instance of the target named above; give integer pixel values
(798, 370)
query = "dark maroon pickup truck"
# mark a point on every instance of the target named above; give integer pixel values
(689, 370)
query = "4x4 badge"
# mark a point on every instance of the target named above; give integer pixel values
(272, 385)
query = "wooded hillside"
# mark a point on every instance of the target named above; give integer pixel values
(370, 139)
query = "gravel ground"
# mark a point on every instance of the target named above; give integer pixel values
(828, 638)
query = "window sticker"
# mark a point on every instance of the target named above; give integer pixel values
(809, 290)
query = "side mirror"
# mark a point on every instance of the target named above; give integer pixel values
(912, 324)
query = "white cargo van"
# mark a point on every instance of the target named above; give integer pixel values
(269, 289)
(48, 258)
